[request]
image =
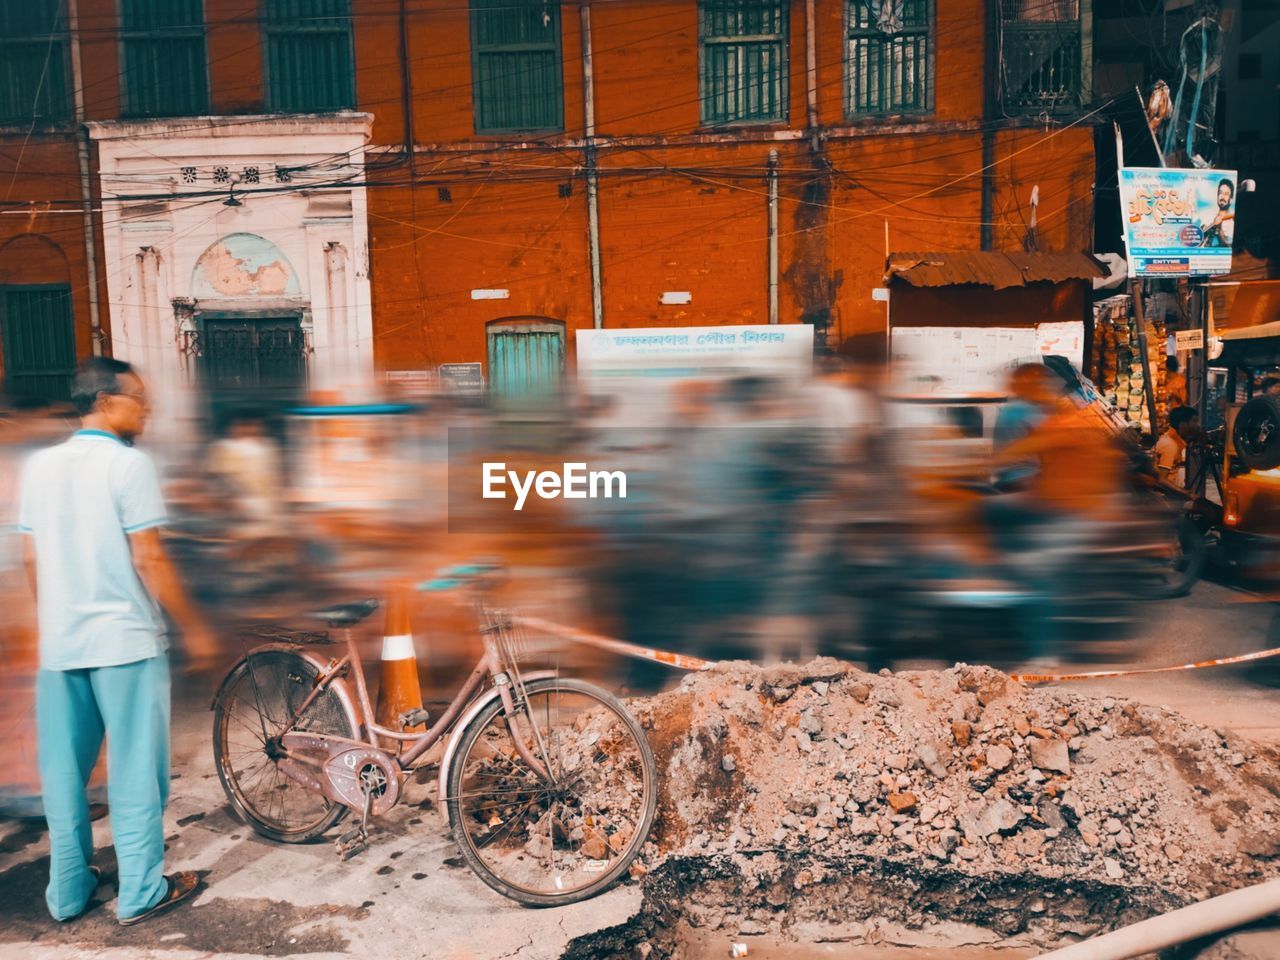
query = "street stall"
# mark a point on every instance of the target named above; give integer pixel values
(961, 321)
(1128, 362)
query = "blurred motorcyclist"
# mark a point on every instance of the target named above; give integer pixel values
(1078, 479)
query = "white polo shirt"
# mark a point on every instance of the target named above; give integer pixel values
(80, 501)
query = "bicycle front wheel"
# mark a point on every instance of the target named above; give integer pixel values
(549, 841)
(260, 700)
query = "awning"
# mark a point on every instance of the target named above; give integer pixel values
(1259, 332)
(1256, 346)
(1250, 303)
(991, 269)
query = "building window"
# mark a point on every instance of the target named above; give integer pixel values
(517, 79)
(1041, 68)
(165, 65)
(744, 60)
(309, 61)
(33, 61)
(888, 57)
(39, 341)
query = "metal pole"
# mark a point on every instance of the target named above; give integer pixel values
(811, 71)
(589, 162)
(86, 186)
(773, 236)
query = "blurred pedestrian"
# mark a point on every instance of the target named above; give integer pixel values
(1175, 384)
(1171, 448)
(91, 510)
(1022, 412)
(248, 462)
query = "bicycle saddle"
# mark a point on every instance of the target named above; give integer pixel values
(346, 614)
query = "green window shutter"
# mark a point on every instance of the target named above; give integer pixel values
(309, 62)
(165, 63)
(33, 61)
(517, 76)
(888, 57)
(39, 341)
(744, 60)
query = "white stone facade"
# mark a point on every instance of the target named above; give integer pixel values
(292, 243)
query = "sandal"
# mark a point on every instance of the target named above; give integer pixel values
(181, 886)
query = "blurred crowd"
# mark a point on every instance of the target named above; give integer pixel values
(765, 517)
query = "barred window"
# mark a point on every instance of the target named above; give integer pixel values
(516, 72)
(165, 63)
(309, 62)
(744, 60)
(1042, 68)
(889, 57)
(33, 61)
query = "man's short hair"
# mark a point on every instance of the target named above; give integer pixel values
(1180, 415)
(1171, 364)
(1224, 182)
(1268, 384)
(93, 377)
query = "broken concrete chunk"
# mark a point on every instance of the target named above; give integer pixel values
(1050, 755)
(999, 757)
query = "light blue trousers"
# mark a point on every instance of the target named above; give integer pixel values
(74, 708)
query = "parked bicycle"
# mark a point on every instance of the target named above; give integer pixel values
(548, 782)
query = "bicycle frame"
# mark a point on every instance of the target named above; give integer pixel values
(489, 664)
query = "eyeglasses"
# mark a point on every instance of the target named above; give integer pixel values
(139, 398)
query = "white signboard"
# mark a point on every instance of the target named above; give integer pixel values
(969, 361)
(1064, 339)
(680, 352)
(1189, 339)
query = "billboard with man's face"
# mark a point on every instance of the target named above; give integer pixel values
(1178, 223)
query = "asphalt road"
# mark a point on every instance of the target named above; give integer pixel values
(407, 896)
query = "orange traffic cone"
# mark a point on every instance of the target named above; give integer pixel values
(398, 690)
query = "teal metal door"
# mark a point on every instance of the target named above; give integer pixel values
(39, 341)
(526, 360)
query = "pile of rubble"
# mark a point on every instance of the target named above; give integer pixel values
(961, 771)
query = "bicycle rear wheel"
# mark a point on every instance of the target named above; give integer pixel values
(549, 843)
(254, 709)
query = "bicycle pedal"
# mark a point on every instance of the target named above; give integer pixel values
(415, 717)
(351, 843)
(348, 851)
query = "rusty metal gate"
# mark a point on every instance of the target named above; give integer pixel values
(252, 361)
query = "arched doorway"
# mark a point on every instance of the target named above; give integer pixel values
(526, 357)
(249, 316)
(37, 328)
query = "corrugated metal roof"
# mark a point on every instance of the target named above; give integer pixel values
(990, 268)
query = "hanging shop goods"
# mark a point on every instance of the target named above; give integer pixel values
(1116, 361)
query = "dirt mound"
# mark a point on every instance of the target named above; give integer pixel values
(799, 774)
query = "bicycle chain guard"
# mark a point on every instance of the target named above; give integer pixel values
(346, 772)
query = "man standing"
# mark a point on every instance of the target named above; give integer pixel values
(1171, 448)
(91, 509)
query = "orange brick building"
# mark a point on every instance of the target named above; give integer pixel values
(447, 196)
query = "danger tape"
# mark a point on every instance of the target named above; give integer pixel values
(1098, 674)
